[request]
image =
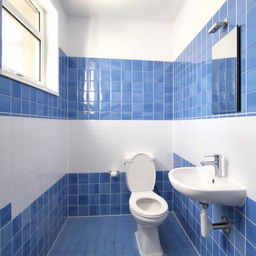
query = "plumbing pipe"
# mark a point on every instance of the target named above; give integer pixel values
(206, 226)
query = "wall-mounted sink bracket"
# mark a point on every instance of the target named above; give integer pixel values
(207, 227)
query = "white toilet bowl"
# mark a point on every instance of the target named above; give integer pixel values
(148, 209)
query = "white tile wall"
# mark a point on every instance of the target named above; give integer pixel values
(99, 146)
(235, 138)
(35, 153)
(33, 156)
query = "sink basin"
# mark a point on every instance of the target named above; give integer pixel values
(199, 183)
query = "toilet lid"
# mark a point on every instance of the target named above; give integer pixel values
(141, 173)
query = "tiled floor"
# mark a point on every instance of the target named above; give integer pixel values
(114, 236)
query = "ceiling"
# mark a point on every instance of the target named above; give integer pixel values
(151, 10)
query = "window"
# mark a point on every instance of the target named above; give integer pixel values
(27, 54)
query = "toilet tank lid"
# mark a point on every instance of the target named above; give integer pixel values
(141, 173)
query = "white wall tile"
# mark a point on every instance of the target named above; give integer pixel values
(34, 152)
(98, 146)
(33, 156)
(235, 138)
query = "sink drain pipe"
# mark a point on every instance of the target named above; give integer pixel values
(207, 227)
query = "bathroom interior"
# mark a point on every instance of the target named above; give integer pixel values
(127, 128)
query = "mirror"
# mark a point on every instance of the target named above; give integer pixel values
(226, 74)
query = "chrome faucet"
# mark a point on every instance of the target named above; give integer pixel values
(216, 163)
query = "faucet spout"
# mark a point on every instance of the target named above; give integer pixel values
(204, 163)
(216, 163)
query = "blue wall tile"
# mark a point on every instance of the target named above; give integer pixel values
(193, 66)
(35, 229)
(103, 195)
(119, 82)
(19, 99)
(5, 215)
(89, 86)
(250, 250)
(5, 87)
(17, 224)
(184, 86)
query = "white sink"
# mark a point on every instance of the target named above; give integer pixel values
(200, 184)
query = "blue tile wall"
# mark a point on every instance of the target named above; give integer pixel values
(224, 95)
(240, 241)
(35, 229)
(193, 68)
(98, 194)
(115, 89)
(109, 89)
(18, 99)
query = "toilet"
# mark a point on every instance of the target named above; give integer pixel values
(148, 209)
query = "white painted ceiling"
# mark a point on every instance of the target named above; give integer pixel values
(151, 10)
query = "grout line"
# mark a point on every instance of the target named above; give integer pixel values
(98, 216)
(174, 214)
(57, 236)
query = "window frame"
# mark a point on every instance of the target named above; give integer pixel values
(38, 34)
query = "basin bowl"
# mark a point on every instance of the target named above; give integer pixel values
(199, 183)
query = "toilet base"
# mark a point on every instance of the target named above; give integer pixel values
(148, 241)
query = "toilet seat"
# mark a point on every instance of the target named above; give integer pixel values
(148, 204)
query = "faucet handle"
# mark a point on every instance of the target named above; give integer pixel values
(214, 155)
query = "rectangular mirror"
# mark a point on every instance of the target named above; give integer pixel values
(226, 74)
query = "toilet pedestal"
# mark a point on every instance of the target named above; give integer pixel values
(148, 240)
(148, 209)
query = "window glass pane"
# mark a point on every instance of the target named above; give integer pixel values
(26, 8)
(21, 49)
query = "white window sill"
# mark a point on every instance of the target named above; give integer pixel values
(27, 81)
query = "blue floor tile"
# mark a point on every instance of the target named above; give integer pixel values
(114, 235)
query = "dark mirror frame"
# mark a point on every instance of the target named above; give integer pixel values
(237, 88)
